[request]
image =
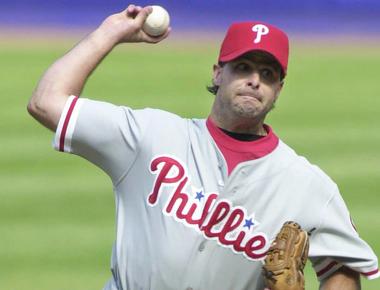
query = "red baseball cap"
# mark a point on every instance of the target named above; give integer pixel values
(244, 37)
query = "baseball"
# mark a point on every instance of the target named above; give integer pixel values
(157, 22)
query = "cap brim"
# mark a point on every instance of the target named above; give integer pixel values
(237, 53)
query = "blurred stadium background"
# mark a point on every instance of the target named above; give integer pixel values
(56, 211)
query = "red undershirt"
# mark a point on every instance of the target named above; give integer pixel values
(236, 151)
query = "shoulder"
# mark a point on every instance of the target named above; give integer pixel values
(101, 107)
(156, 116)
(159, 126)
(308, 172)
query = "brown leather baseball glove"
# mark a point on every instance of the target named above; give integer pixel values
(286, 259)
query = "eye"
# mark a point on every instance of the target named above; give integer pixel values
(242, 67)
(267, 73)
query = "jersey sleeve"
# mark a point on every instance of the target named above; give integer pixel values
(105, 134)
(336, 243)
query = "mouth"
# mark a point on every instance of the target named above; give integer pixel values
(249, 95)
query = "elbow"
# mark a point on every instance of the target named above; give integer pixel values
(34, 109)
(40, 113)
(38, 109)
(31, 108)
(45, 110)
(41, 103)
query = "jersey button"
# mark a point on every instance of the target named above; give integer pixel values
(202, 246)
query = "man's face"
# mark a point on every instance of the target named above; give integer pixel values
(248, 86)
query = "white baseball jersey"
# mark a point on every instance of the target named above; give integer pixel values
(197, 209)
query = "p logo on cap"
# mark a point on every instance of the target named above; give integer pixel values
(243, 37)
(260, 30)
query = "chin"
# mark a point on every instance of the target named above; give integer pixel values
(247, 112)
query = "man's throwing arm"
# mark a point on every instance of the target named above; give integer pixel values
(68, 74)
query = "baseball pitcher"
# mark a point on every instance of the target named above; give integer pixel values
(201, 203)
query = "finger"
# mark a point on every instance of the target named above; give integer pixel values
(130, 9)
(143, 14)
(155, 39)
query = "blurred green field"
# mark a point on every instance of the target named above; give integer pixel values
(57, 211)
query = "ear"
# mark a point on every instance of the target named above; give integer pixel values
(279, 89)
(216, 79)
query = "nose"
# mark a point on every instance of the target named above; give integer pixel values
(254, 80)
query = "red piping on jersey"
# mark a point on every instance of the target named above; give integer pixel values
(66, 124)
(332, 264)
(236, 151)
(327, 268)
(370, 273)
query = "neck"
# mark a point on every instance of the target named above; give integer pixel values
(240, 125)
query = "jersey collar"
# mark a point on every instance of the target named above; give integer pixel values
(258, 148)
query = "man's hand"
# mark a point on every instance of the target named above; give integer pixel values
(126, 26)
